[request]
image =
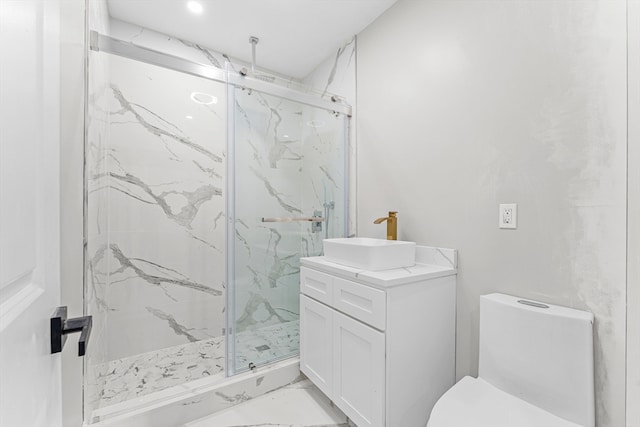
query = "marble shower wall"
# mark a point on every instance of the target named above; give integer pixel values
(337, 75)
(164, 182)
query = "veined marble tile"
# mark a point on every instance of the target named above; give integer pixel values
(289, 163)
(298, 405)
(165, 179)
(337, 75)
(143, 374)
(267, 343)
(437, 256)
(165, 151)
(153, 285)
(150, 372)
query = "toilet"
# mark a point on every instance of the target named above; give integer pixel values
(535, 369)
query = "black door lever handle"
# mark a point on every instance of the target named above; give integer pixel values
(61, 326)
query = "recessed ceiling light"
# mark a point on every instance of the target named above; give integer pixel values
(189, 117)
(285, 136)
(194, 7)
(203, 98)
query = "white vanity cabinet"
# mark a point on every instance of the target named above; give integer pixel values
(380, 345)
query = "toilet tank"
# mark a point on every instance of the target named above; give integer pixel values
(539, 352)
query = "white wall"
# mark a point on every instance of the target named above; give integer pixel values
(633, 218)
(464, 105)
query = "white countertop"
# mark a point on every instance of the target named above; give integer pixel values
(431, 263)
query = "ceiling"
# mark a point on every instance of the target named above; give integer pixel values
(295, 35)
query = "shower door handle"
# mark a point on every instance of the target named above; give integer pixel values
(316, 220)
(294, 219)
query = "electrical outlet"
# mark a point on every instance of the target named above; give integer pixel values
(508, 215)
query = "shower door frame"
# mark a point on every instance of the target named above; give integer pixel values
(102, 43)
(236, 81)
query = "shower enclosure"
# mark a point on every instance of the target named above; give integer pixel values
(203, 189)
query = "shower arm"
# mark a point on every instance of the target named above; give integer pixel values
(253, 41)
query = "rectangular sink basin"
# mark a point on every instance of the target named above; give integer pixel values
(370, 254)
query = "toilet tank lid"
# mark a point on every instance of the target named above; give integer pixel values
(537, 306)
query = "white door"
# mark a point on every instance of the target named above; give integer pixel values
(316, 343)
(30, 392)
(358, 371)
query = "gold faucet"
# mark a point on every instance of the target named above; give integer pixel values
(392, 225)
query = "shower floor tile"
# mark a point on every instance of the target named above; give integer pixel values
(266, 344)
(142, 374)
(298, 405)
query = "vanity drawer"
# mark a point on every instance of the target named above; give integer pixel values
(317, 285)
(362, 302)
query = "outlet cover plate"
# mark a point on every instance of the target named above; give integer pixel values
(508, 215)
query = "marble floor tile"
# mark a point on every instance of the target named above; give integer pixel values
(298, 405)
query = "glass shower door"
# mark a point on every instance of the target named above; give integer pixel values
(288, 175)
(155, 178)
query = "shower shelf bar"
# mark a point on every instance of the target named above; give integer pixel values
(102, 43)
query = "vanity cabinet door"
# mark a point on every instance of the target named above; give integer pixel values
(358, 371)
(316, 326)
